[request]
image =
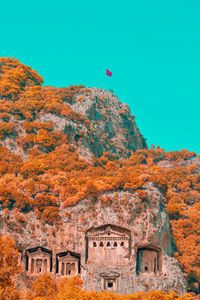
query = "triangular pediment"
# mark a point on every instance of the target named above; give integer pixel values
(68, 258)
(108, 228)
(38, 253)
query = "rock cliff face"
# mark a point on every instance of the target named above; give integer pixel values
(113, 127)
(123, 245)
(96, 122)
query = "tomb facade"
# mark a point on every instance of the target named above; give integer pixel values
(110, 281)
(38, 261)
(148, 261)
(108, 245)
(68, 264)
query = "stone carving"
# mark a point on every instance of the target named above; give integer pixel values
(39, 261)
(148, 260)
(107, 244)
(110, 280)
(68, 264)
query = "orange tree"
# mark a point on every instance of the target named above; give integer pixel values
(15, 76)
(44, 287)
(9, 267)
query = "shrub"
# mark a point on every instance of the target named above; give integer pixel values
(7, 129)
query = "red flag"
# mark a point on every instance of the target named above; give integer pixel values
(108, 73)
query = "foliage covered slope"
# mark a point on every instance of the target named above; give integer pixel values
(40, 165)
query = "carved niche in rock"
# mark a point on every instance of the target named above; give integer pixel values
(38, 260)
(67, 263)
(110, 281)
(148, 260)
(107, 245)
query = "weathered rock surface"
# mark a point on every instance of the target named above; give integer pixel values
(113, 127)
(117, 242)
(108, 126)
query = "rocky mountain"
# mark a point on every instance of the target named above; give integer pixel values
(97, 122)
(81, 194)
(92, 120)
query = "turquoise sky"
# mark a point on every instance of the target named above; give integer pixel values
(152, 48)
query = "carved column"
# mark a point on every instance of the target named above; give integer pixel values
(48, 264)
(76, 268)
(60, 267)
(42, 266)
(29, 264)
(34, 266)
(53, 262)
(65, 269)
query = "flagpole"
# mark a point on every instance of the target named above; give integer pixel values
(105, 82)
(109, 74)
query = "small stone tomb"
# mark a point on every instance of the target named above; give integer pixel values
(67, 264)
(39, 261)
(148, 261)
(110, 280)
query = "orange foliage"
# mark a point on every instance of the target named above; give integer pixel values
(41, 201)
(9, 163)
(186, 231)
(50, 214)
(33, 127)
(11, 195)
(9, 266)
(142, 194)
(5, 117)
(44, 286)
(178, 155)
(6, 129)
(15, 76)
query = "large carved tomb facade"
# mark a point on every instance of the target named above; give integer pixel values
(107, 245)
